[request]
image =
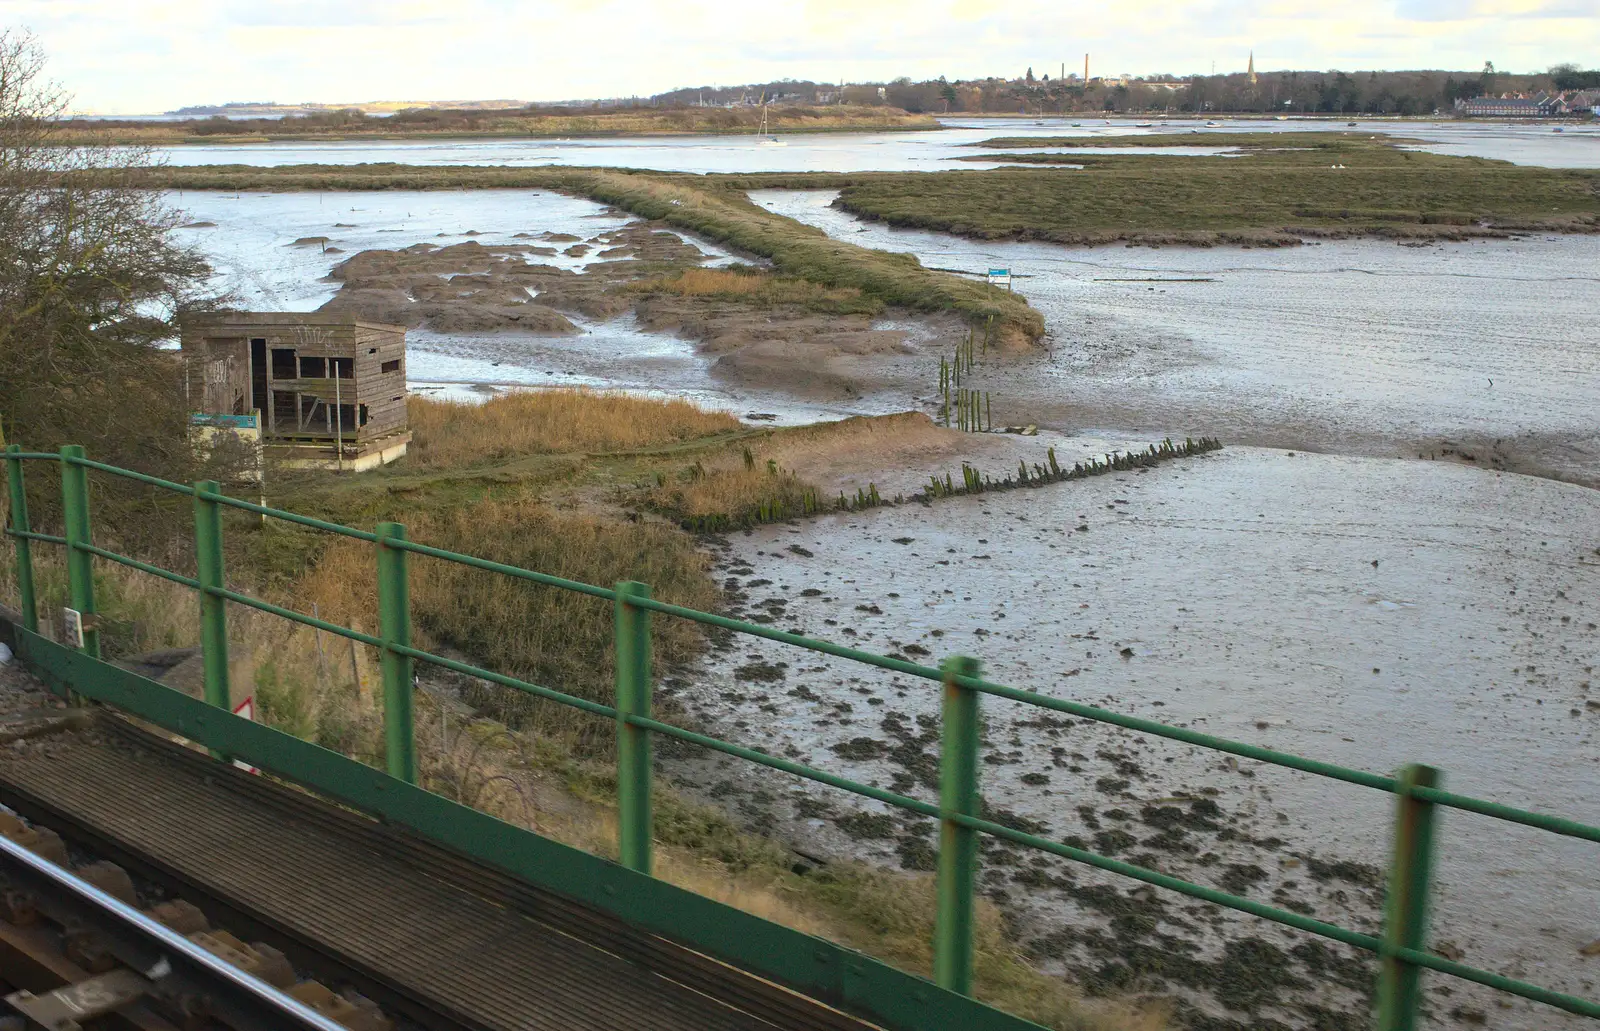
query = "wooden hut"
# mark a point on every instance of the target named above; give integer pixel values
(326, 390)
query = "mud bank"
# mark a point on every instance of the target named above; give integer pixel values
(1361, 611)
(469, 291)
(1349, 347)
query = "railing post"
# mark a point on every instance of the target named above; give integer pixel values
(1405, 918)
(19, 522)
(80, 564)
(634, 771)
(958, 845)
(213, 607)
(394, 619)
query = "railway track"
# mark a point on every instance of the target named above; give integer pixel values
(76, 947)
(382, 929)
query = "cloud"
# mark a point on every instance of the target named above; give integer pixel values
(153, 55)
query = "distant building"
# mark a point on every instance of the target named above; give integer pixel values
(1541, 106)
(322, 390)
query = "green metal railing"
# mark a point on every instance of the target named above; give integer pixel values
(1401, 947)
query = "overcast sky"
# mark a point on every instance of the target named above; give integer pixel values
(145, 56)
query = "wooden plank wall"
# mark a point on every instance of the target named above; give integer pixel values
(369, 349)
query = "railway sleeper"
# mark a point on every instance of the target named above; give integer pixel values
(99, 984)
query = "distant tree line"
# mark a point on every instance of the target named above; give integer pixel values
(1322, 92)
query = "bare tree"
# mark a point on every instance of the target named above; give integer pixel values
(91, 282)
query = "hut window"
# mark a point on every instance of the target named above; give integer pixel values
(392, 366)
(342, 368)
(283, 363)
(363, 415)
(313, 368)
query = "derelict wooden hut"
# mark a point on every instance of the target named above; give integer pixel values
(328, 389)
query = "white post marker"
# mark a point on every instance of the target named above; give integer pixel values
(247, 709)
(72, 627)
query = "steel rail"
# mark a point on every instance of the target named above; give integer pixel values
(158, 953)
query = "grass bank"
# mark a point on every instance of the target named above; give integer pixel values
(1280, 188)
(715, 209)
(752, 286)
(436, 123)
(551, 498)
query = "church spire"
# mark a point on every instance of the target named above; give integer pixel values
(1251, 71)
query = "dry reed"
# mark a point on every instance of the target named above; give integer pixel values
(452, 434)
(761, 289)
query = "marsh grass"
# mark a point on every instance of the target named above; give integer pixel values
(1284, 186)
(1276, 141)
(453, 434)
(755, 287)
(553, 637)
(715, 500)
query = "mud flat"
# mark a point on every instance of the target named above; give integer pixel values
(1368, 612)
(511, 288)
(1487, 348)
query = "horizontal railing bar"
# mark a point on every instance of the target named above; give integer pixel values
(1193, 737)
(1310, 925)
(553, 695)
(129, 474)
(143, 567)
(500, 567)
(41, 456)
(1553, 824)
(1161, 880)
(289, 517)
(784, 637)
(786, 765)
(291, 614)
(1550, 997)
(29, 535)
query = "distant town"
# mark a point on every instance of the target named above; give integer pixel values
(1561, 91)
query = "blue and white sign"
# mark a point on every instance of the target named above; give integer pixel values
(1000, 277)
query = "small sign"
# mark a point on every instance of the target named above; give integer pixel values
(246, 709)
(1000, 277)
(251, 421)
(72, 627)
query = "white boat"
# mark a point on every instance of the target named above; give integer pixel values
(1213, 125)
(1143, 125)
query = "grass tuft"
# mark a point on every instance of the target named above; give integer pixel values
(755, 287)
(455, 434)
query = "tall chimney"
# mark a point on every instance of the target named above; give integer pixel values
(1085, 69)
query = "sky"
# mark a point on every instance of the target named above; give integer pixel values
(148, 56)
